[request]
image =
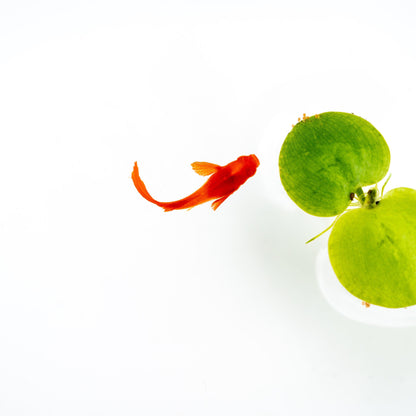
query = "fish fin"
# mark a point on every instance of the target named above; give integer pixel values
(205, 168)
(218, 202)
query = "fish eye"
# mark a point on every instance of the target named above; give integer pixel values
(256, 159)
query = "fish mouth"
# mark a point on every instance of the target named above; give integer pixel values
(255, 159)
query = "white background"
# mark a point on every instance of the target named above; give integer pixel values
(108, 305)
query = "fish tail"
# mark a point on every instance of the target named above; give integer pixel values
(196, 198)
(185, 203)
(141, 188)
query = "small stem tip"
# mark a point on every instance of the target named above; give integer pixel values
(360, 195)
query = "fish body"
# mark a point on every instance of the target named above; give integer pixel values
(223, 181)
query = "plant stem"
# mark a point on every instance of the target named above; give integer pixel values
(360, 195)
(324, 231)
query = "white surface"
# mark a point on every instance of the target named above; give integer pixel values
(110, 306)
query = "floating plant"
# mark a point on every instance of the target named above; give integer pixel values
(327, 157)
(324, 163)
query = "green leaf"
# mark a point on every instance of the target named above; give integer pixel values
(326, 158)
(373, 250)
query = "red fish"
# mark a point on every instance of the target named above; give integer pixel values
(224, 181)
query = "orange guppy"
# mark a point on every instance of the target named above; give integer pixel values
(224, 181)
